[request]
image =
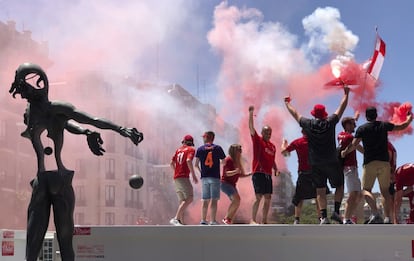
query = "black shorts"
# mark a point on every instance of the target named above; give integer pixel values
(332, 172)
(305, 187)
(262, 183)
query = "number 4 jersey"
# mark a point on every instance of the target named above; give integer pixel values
(210, 156)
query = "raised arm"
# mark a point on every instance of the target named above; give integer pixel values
(283, 148)
(344, 102)
(401, 126)
(292, 110)
(251, 123)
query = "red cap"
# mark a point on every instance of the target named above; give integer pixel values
(319, 111)
(188, 138)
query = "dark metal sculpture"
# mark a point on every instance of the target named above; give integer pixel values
(54, 187)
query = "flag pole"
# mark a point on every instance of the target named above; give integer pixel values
(366, 71)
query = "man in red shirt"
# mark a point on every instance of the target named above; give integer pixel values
(182, 164)
(305, 188)
(404, 182)
(350, 168)
(264, 152)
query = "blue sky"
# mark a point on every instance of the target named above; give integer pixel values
(176, 31)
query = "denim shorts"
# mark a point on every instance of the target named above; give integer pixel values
(228, 189)
(210, 188)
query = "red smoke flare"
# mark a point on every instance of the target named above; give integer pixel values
(399, 115)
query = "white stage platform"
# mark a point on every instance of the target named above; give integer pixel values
(239, 242)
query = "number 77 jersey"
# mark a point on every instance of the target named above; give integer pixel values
(180, 158)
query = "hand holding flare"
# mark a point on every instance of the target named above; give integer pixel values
(287, 99)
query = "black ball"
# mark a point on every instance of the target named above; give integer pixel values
(136, 181)
(48, 150)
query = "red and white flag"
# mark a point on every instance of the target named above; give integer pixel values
(377, 59)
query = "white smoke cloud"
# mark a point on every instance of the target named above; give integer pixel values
(328, 35)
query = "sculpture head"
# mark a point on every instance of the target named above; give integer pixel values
(21, 85)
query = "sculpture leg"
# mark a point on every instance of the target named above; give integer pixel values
(63, 207)
(37, 218)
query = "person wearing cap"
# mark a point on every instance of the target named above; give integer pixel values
(374, 137)
(322, 151)
(350, 168)
(208, 159)
(182, 164)
(264, 152)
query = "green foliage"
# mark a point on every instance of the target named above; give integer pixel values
(309, 215)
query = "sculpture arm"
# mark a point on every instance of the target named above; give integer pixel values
(132, 133)
(94, 138)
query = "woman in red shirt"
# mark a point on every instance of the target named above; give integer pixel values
(232, 171)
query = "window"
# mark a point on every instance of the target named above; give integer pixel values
(79, 218)
(132, 199)
(110, 142)
(109, 218)
(139, 153)
(129, 148)
(80, 168)
(80, 196)
(137, 203)
(128, 197)
(110, 196)
(129, 169)
(2, 130)
(110, 168)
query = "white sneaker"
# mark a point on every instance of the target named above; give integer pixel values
(175, 222)
(375, 219)
(213, 223)
(324, 221)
